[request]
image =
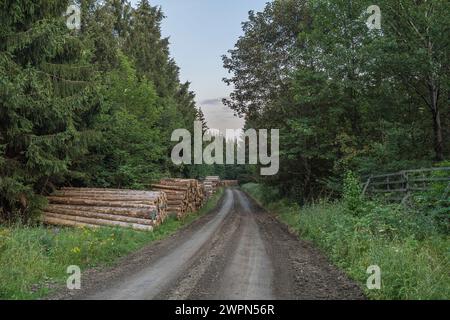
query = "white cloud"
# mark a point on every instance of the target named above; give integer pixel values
(220, 117)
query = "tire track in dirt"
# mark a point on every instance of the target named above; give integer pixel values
(302, 271)
(239, 251)
(255, 257)
(249, 272)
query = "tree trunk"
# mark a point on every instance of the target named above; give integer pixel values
(438, 137)
(437, 127)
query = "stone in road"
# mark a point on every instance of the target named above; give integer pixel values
(238, 251)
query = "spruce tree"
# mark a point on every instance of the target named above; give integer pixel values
(41, 68)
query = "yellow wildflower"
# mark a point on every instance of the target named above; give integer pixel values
(76, 250)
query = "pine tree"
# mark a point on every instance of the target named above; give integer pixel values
(202, 119)
(40, 69)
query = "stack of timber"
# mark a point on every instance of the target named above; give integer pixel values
(90, 207)
(183, 195)
(210, 185)
(229, 183)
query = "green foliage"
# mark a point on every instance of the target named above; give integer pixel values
(352, 194)
(94, 107)
(40, 131)
(435, 202)
(344, 97)
(407, 245)
(262, 193)
(129, 149)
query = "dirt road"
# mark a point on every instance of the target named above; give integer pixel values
(237, 252)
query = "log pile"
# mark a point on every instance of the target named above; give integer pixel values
(210, 185)
(229, 183)
(183, 195)
(90, 207)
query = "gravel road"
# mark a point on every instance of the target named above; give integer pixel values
(238, 251)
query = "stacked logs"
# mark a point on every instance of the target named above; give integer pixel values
(210, 185)
(229, 183)
(90, 207)
(183, 195)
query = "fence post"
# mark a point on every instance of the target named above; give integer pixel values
(446, 192)
(367, 185)
(407, 187)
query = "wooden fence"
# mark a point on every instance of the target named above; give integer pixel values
(398, 187)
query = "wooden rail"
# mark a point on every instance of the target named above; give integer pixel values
(401, 185)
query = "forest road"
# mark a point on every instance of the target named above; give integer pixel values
(238, 251)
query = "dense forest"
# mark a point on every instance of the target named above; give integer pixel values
(91, 106)
(345, 96)
(96, 105)
(352, 102)
(90, 97)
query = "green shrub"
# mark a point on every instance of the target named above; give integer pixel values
(435, 202)
(264, 194)
(409, 247)
(353, 194)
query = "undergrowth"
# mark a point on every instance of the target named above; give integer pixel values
(409, 246)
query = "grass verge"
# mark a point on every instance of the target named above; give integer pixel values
(414, 256)
(33, 258)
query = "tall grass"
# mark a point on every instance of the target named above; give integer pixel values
(414, 256)
(31, 258)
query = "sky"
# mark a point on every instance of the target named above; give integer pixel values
(200, 32)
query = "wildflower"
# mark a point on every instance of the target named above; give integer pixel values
(76, 250)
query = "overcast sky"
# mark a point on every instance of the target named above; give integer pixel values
(200, 32)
